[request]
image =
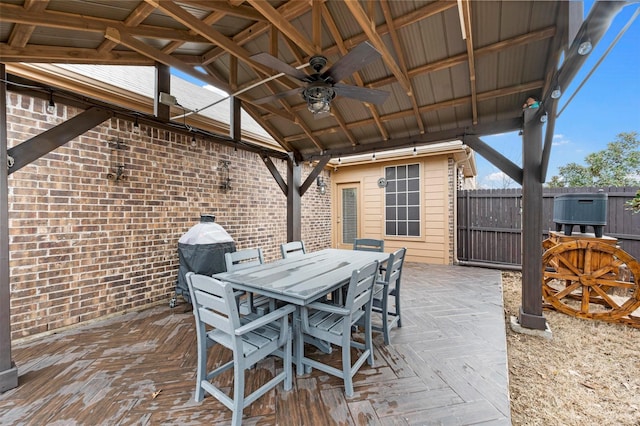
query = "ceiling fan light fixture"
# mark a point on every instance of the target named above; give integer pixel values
(319, 106)
(318, 98)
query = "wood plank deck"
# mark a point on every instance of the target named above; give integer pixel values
(447, 365)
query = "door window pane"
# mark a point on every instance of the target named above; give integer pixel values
(349, 215)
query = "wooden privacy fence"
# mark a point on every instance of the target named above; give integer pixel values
(490, 223)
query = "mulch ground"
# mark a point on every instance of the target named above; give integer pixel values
(587, 374)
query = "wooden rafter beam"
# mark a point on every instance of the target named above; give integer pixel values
(75, 22)
(253, 112)
(293, 9)
(333, 29)
(402, 21)
(443, 64)
(368, 27)
(452, 103)
(206, 31)
(552, 104)
(386, 10)
(491, 94)
(465, 11)
(21, 33)
(233, 73)
(134, 19)
(462, 58)
(54, 54)
(307, 131)
(273, 41)
(240, 11)
(481, 129)
(125, 39)
(283, 24)
(316, 24)
(289, 10)
(211, 19)
(233, 49)
(273, 14)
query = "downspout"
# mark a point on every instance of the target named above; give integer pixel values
(455, 203)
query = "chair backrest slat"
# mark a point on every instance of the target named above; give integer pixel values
(394, 266)
(214, 302)
(293, 248)
(211, 301)
(361, 286)
(368, 244)
(216, 320)
(242, 259)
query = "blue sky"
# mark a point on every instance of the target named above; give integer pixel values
(607, 104)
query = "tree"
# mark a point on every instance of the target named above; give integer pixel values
(634, 203)
(617, 165)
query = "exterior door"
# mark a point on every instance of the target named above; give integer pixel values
(348, 223)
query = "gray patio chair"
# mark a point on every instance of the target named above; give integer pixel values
(386, 288)
(242, 259)
(334, 324)
(293, 248)
(368, 244)
(214, 305)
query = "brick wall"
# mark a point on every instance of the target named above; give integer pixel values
(83, 246)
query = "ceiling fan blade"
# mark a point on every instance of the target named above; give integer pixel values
(357, 58)
(364, 94)
(276, 64)
(277, 96)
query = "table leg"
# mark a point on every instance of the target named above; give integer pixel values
(298, 342)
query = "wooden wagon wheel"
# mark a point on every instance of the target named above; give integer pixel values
(591, 279)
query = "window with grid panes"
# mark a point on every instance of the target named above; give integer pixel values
(402, 200)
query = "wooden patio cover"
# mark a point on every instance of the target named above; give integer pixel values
(454, 70)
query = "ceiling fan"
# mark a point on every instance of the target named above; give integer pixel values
(322, 87)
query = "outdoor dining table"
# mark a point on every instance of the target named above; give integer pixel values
(301, 280)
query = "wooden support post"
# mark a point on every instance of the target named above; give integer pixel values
(294, 200)
(235, 120)
(531, 310)
(8, 370)
(163, 84)
(236, 123)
